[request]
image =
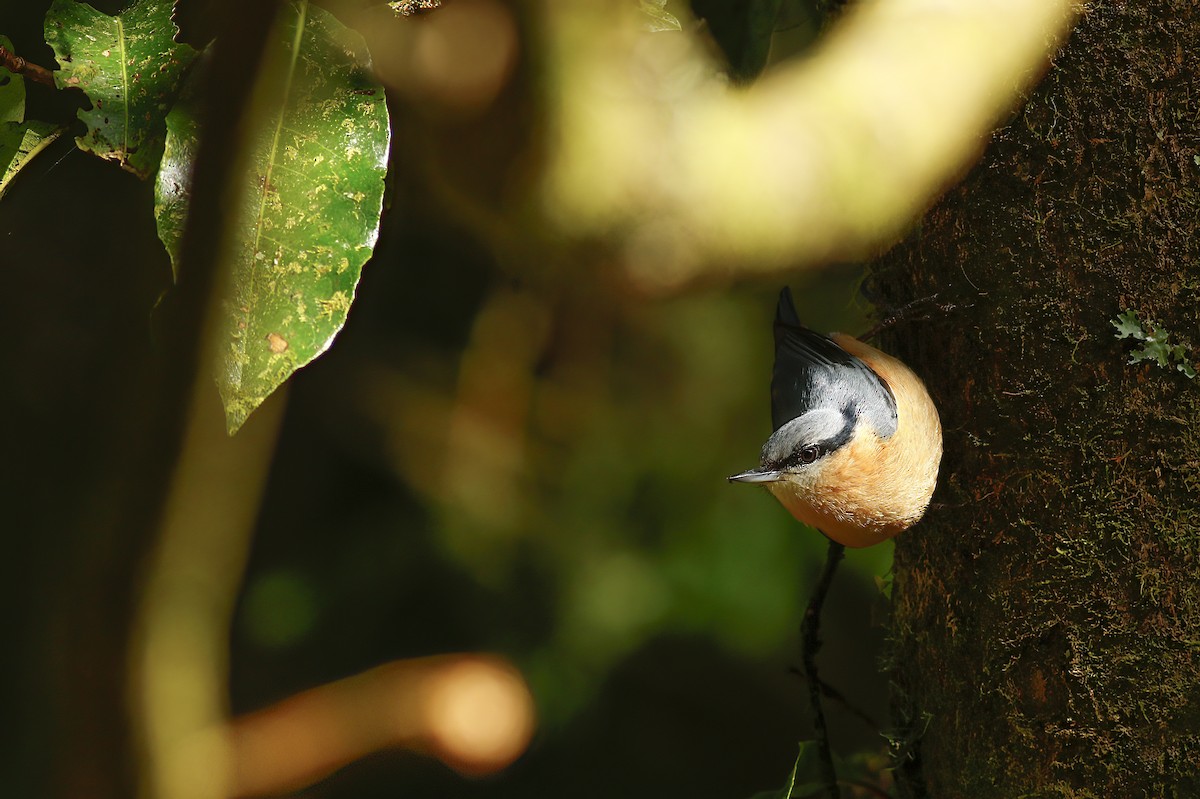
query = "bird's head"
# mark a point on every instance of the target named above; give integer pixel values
(804, 451)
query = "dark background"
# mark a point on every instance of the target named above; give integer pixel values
(653, 608)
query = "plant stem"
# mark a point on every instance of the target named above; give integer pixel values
(19, 66)
(810, 643)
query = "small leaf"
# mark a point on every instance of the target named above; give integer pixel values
(20, 142)
(806, 763)
(310, 203)
(12, 91)
(658, 19)
(1189, 371)
(1128, 324)
(786, 791)
(172, 185)
(130, 68)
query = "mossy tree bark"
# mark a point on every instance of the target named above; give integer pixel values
(1047, 614)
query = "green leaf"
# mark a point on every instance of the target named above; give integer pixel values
(786, 791)
(130, 68)
(20, 142)
(1128, 324)
(806, 761)
(12, 91)
(658, 19)
(310, 204)
(172, 185)
(800, 13)
(743, 30)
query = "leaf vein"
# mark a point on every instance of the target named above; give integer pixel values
(125, 89)
(302, 12)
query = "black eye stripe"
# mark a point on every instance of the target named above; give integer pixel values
(790, 447)
(806, 455)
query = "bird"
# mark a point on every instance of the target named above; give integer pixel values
(857, 441)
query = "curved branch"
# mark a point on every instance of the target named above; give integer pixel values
(830, 157)
(473, 712)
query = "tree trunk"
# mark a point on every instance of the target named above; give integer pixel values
(1046, 629)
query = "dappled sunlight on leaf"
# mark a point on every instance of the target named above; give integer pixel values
(310, 204)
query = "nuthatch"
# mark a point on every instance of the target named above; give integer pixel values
(857, 440)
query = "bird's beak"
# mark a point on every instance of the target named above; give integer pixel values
(756, 476)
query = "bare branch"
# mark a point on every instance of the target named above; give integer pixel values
(19, 66)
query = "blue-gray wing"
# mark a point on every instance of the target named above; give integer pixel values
(811, 371)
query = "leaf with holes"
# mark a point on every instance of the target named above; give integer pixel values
(20, 140)
(130, 68)
(19, 143)
(310, 204)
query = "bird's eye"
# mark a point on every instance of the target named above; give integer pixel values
(809, 454)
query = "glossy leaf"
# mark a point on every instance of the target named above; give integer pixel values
(130, 68)
(20, 142)
(12, 91)
(172, 185)
(310, 204)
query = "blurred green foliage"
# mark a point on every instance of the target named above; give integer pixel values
(618, 534)
(279, 608)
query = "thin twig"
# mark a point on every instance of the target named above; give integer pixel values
(905, 314)
(810, 643)
(902, 314)
(17, 65)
